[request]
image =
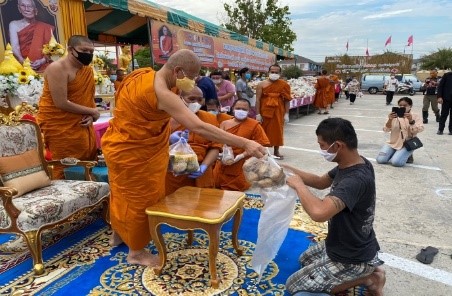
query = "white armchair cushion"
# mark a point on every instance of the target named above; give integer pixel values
(54, 203)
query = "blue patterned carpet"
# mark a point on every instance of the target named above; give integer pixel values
(79, 261)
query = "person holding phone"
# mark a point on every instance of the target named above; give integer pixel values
(403, 124)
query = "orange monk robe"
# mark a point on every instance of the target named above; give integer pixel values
(201, 146)
(31, 40)
(167, 43)
(222, 117)
(322, 92)
(117, 84)
(332, 89)
(272, 109)
(63, 134)
(135, 147)
(231, 177)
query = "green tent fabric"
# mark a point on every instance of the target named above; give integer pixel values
(125, 20)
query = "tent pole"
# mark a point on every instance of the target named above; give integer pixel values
(150, 41)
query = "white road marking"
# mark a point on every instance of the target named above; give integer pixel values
(425, 167)
(418, 269)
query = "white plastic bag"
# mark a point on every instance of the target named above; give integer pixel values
(263, 172)
(182, 160)
(227, 157)
(278, 211)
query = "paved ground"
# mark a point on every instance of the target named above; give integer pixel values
(414, 203)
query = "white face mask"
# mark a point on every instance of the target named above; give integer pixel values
(214, 112)
(240, 114)
(194, 107)
(273, 76)
(327, 155)
(216, 81)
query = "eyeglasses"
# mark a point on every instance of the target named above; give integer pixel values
(26, 7)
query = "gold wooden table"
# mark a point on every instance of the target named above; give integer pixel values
(192, 208)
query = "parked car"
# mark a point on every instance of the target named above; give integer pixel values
(373, 83)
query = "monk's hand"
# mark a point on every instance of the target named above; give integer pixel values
(95, 114)
(259, 118)
(38, 63)
(199, 173)
(86, 121)
(255, 149)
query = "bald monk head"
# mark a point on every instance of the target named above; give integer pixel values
(182, 69)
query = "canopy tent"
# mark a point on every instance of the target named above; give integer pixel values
(125, 19)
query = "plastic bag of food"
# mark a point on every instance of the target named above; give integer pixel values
(263, 172)
(228, 155)
(278, 211)
(182, 159)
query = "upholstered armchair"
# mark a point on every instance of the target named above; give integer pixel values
(31, 201)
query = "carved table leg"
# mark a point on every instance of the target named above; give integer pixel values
(235, 230)
(214, 239)
(190, 237)
(159, 243)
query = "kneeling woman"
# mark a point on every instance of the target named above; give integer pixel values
(402, 128)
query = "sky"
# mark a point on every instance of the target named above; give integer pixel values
(323, 27)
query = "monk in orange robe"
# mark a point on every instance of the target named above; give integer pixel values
(119, 78)
(66, 108)
(231, 177)
(322, 94)
(213, 106)
(272, 105)
(136, 145)
(206, 150)
(332, 90)
(28, 35)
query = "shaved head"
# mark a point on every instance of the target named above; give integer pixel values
(78, 40)
(185, 59)
(195, 92)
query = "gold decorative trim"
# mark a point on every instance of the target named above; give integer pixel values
(14, 117)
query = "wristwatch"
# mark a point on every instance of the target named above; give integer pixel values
(412, 122)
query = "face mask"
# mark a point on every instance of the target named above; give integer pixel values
(273, 76)
(84, 57)
(194, 107)
(214, 112)
(247, 76)
(240, 114)
(327, 155)
(216, 81)
(185, 84)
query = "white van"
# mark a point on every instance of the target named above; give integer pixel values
(373, 83)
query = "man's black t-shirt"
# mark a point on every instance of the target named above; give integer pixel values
(351, 237)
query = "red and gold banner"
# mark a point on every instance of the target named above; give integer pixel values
(212, 51)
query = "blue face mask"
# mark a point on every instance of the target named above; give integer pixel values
(247, 76)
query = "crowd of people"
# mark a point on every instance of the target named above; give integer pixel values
(157, 108)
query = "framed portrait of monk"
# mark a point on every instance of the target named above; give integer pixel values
(27, 25)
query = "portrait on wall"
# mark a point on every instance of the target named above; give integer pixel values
(28, 25)
(165, 42)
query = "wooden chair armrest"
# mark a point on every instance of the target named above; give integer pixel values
(6, 196)
(87, 164)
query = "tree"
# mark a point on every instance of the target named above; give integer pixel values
(292, 71)
(143, 57)
(269, 23)
(441, 59)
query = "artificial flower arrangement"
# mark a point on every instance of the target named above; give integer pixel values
(53, 48)
(98, 62)
(18, 82)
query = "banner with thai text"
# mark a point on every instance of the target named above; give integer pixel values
(212, 51)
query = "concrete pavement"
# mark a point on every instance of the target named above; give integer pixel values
(414, 203)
